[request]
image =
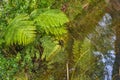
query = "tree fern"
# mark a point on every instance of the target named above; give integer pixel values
(51, 22)
(20, 31)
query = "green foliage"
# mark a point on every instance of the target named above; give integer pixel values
(38, 45)
(84, 60)
(51, 22)
(29, 39)
(50, 47)
(8, 67)
(46, 3)
(20, 31)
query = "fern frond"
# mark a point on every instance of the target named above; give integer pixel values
(20, 31)
(83, 58)
(76, 50)
(51, 22)
(50, 47)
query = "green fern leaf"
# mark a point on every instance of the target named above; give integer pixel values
(52, 21)
(83, 58)
(20, 31)
(51, 48)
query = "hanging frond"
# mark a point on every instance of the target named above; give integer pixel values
(84, 59)
(52, 21)
(50, 47)
(20, 31)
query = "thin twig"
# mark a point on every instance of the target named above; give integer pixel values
(67, 67)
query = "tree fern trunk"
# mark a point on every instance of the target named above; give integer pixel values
(114, 10)
(116, 66)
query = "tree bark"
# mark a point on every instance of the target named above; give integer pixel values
(116, 66)
(114, 10)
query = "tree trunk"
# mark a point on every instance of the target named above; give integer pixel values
(114, 10)
(116, 66)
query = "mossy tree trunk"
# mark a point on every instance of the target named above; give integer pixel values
(116, 67)
(114, 10)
